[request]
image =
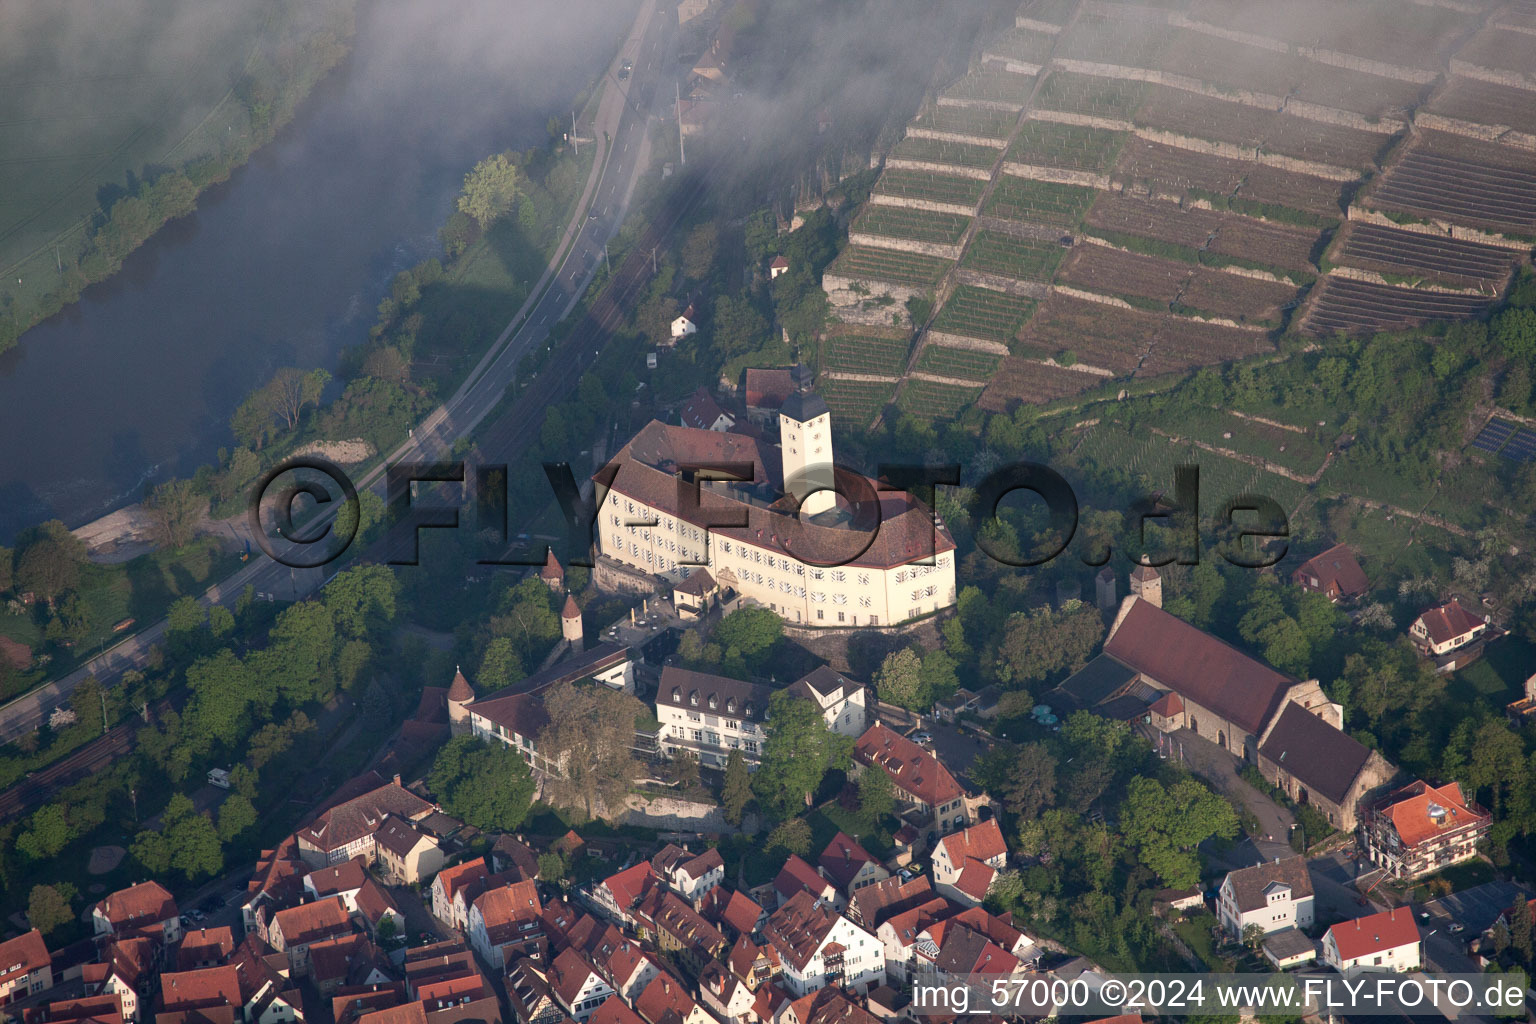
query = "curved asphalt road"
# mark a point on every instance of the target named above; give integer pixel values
(623, 117)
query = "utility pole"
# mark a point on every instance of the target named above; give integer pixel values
(606, 266)
(682, 153)
(574, 144)
(103, 712)
(653, 258)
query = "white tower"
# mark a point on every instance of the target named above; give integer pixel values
(805, 439)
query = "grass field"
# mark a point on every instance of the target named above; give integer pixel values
(982, 313)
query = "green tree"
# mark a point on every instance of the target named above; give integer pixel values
(736, 792)
(551, 867)
(47, 833)
(737, 327)
(793, 835)
(490, 190)
(1028, 785)
(48, 907)
(487, 785)
(798, 751)
(700, 250)
(1037, 645)
(747, 637)
(176, 507)
(500, 667)
(49, 561)
(221, 692)
(236, 814)
(877, 797)
(186, 615)
(899, 681)
(591, 737)
(362, 599)
(1165, 824)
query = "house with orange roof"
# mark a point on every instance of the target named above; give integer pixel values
(690, 875)
(1419, 829)
(347, 828)
(666, 1001)
(723, 994)
(614, 1011)
(796, 876)
(966, 862)
(848, 865)
(1335, 573)
(504, 922)
(818, 947)
(676, 926)
(201, 989)
(899, 933)
(753, 964)
(26, 968)
(448, 903)
(126, 968)
(146, 909)
(1388, 941)
(620, 893)
(294, 930)
(733, 911)
(577, 985)
(1441, 632)
(921, 782)
(103, 1009)
(206, 947)
(622, 961)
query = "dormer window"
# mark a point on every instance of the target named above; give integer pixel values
(714, 701)
(730, 704)
(677, 695)
(693, 698)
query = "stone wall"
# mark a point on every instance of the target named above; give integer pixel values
(677, 815)
(887, 199)
(1501, 134)
(973, 140)
(954, 170)
(962, 101)
(1441, 229)
(946, 340)
(1036, 26)
(1498, 76)
(1030, 289)
(948, 252)
(1058, 175)
(1087, 120)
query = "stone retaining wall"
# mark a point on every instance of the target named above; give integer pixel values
(998, 283)
(1498, 76)
(963, 101)
(889, 199)
(1440, 229)
(1086, 120)
(1502, 134)
(961, 341)
(973, 140)
(949, 252)
(954, 170)
(1057, 175)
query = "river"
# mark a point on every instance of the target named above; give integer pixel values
(285, 263)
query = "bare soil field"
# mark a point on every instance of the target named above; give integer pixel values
(1427, 184)
(1090, 94)
(1500, 48)
(1222, 62)
(1181, 169)
(1420, 36)
(1095, 334)
(1244, 299)
(1411, 254)
(1358, 307)
(1026, 380)
(1486, 103)
(1153, 219)
(1324, 143)
(1098, 268)
(1288, 188)
(1204, 117)
(1277, 245)
(1182, 344)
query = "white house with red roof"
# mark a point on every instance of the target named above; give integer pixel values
(778, 266)
(666, 1001)
(26, 968)
(1420, 829)
(577, 985)
(796, 876)
(898, 934)
(920, 781)
(1388, 941)
(1449, 627)
(684, 324)
(848, 865)
(504, 922)
(817, 947)
(146, 909)
(690, 875)
(841, 700)
(702, 412)
(347, 828)
(966, 862)
(619, 894)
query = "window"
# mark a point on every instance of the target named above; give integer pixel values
(839, 598)
(865, 602)
(839, 576)
(863, 579)
(820, 614)
(817, 596)
(817, 574)
(841, 617)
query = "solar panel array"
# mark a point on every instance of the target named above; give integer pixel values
(1508, 439)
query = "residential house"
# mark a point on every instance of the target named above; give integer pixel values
(849, 866)
(614, 1011)
(966, 862)
(920, 781)
(690, 875)
(1420, 829)
(755, 965)
(890, 896)
(203, 990)
(1335, 574)
(666, 1001)
(702, 412)
(102, 1009)
(685, 324)
(899, 933)
(1314, 762)
(796, 876)
(406, 855)
(706, 716)
(679, 928)
(766, 390)
(26, 967)
(623, 962)
(1388, 941)
(577, 985)
(449, 904)
(779, 265)
(146, 909)
(819, 947)
(205, 947)
(841, 700)
(514, 858)
(294, 930)
(1274, 896)
(725, 995)
(344, 880)
(1439, 632)
(529, 995)
(376, 909)
(127, 967)
(267, 992)
(953, 951)
(619, 894)
(504, 924)
(733, 911)
(347, 828)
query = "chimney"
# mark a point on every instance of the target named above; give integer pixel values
(397, 778)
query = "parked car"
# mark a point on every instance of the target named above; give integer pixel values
(922, 738)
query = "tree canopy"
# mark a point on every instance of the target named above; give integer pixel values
(487, 785)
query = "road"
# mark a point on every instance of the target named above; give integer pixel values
(620, 132)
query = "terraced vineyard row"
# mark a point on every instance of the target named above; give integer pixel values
(919, 225)
(982, 313)
(1359, 306)
(1026, 259)
(1038, 202)
(945, 361)
(1181, 345)
(865, 350)
(943, 151)
(1069, 146)
(993, 86)
(931, 187)
(866, 263)
(1021, 379)
(1090, 94)
(1021, 44)
(1460, 191)
(931, 400)
(1415, 255)
(854, 401)
(977, 121)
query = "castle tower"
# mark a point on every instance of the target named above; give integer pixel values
(1147, 585)
(1104, 587)
(552, 574)
(570, 622)
(805, 441)
(460, 696)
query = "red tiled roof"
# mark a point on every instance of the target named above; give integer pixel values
(551, 569)
(888, 897)
(312, 921)
(22, 955)
(462, 875)
(1374, 933)
(522, 713)
(843, 859)
(975, 879)
(139, 905)
(196, 946)
(373, 902)
(663, 996)
(734, 908)
(799, 927)
(460, 690)
(568, 974)
(911, 768)
(192, 990)
(669, 914)
(982, 841)
(630, 885)
(1410, 815)
(646, 468)
(362, 815)
(703, 864)
(767, 389)
(507, 910)
(400, 837)
(993, 927)
(1198, 666)
(407, 1013)
(700, 411)
(1336, 568)
(1168, 705)
(779, 263)
(613, 1011)
(797, 876)
(1449, 621)
(344, 877)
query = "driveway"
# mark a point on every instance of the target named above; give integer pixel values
(957, 749)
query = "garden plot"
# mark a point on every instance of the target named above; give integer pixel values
(1020, 44)
(1090, 333)
(1501, 50)
(1138, 44)
(1234, 297)
(1038, 202)
(1108, 271)
(1358, 307)
(855, 401)
(966, 363)
(1469, 99)
(1024, 259)
(1182, 344)
(927, 399)
(865, 350)
(1410, 256)
(973, 121)
(1204, 117)
(1274, 186)
(988, 86)
(1266, 243)
(1321, 143)
(1167, 168)
(943, 151)
(1113, 98)
(1019, 379)
(1150, 218)
(1070, 146)
(982, 313)
(866, 263)
(918, 225)
(931, 187)
(1427, 184)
